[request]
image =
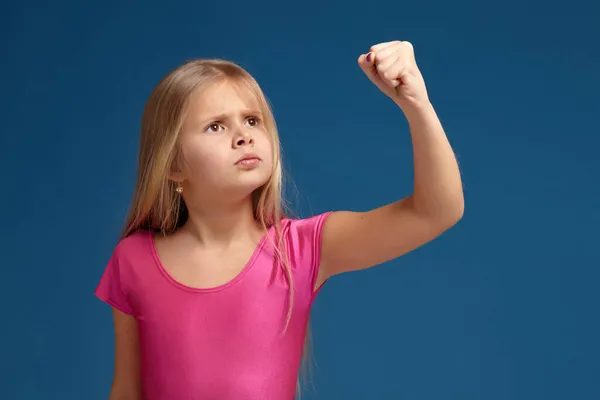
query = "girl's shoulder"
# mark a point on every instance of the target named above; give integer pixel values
(302, 237)
(134, 245)
(119, 278)
(304, 227)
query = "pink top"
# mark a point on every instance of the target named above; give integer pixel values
(224, 342)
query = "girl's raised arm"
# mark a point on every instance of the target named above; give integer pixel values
(358, 240)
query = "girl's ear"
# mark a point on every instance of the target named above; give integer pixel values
(176, 176)
(176, 171)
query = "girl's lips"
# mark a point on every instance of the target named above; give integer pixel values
(248, 161)
(247, 158)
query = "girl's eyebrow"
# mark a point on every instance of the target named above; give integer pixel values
(224, 116)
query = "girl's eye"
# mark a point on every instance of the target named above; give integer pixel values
(252, 121)
(215, 127)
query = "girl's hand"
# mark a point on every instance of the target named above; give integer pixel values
(392, 67)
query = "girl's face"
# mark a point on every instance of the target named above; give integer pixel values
(225, 147)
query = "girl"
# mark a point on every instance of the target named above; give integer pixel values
(211, 284)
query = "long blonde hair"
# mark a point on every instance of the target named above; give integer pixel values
(156, 205)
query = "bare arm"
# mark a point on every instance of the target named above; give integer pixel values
(127, 381)
(358, 240)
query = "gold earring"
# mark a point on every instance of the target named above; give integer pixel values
(179, 188)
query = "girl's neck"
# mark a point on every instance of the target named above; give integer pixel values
(223, 223)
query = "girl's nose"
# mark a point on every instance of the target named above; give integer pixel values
(243, 139)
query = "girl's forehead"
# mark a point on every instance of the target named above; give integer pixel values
(227, 94)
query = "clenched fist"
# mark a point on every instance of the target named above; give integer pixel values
(393, 68)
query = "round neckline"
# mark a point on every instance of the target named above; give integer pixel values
(231, 282)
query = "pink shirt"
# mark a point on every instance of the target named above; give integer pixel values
(224, 342)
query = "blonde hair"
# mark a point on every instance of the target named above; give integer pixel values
(156, 205)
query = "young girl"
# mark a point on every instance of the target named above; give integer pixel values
(211, 284)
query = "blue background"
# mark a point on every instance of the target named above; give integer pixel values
(503, 306)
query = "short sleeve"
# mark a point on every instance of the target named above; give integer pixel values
(110, 289)
(304, 248)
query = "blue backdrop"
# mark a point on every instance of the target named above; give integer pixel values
(503, 306)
